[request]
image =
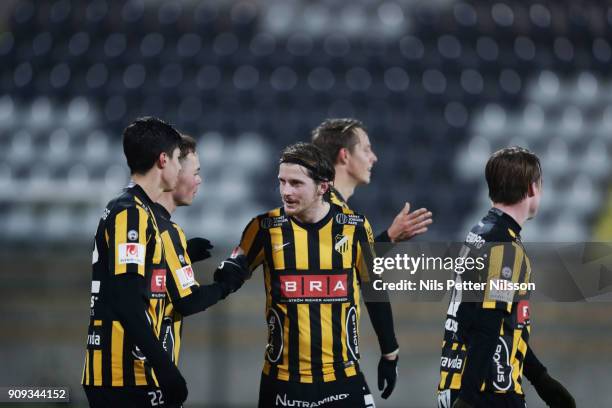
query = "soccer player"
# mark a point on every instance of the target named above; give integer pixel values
(486, 348)
(186, 295)
(314, 256)
(347, 145)
(125, 364)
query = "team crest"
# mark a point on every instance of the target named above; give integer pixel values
(342, 243)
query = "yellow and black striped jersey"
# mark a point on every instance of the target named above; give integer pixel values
(312, 274)
(337, 199)
(181, 280)
(496, 239)
(127, 242)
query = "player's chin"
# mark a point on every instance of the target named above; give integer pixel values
(289, 209)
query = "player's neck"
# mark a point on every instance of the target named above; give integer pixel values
(167, 201)
(151, 184)
(519, 212)
(313, 214)
(344, 184)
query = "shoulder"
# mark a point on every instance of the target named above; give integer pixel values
(270, 219)
(489, 230)
(124, 205)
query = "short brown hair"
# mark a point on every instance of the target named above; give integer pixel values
(335, 134)
(187, 145)
(510, 172)
(309, 156)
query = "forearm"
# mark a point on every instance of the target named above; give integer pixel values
(201, 298)
(130, 311)
(381, 316)
(532, 367)
(480, 351)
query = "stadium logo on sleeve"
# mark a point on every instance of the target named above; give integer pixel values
(131, 254)
(274, 348)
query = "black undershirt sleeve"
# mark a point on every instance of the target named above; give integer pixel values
(483, 334)
(201, 298)
(532, 367)
(126, 302)
(381, 316)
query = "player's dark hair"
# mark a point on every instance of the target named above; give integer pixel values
(316, 162)
(187, 145)
(145, 139)
(335, 134)
(510, 172)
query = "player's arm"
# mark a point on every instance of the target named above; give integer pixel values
(186, 294)
(552, 392)
(380, 312)
(484, 317)
(251, 243)
(127, 290)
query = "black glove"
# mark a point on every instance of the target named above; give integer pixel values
(198, 249)
(387, 371)
(553, 393)
(232, 273)
(172, 385)
(459, 403)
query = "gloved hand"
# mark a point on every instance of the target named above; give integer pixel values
(387, 371)
(198, 249)
(232, 273)
(172, 384)
(553, 393)
(459, 403)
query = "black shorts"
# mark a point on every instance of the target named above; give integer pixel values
(351, 392)
(446, 399)
(126, 397)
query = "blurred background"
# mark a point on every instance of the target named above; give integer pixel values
(439, 84)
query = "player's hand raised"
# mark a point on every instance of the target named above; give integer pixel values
(409, 224)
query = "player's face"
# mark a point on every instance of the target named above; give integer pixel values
(361, 159)
(171, 170)
(298, 191)
(188, 180)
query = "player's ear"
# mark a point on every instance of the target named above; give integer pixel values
(163, 160)
(343, 155)
(323, 187)
(532, 189)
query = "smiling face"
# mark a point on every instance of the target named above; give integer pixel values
(299, 192)
(361, 158)
(188, 180)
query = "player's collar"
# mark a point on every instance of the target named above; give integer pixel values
(140, 193)
(161, 211)
(511, 222)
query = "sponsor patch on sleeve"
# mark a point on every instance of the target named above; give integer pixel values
(185, 276)
(131, 254)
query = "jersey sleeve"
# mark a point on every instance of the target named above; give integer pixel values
(503, 262)
(365, 251)
(181, 277)
(127, 234)
(252, 244)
